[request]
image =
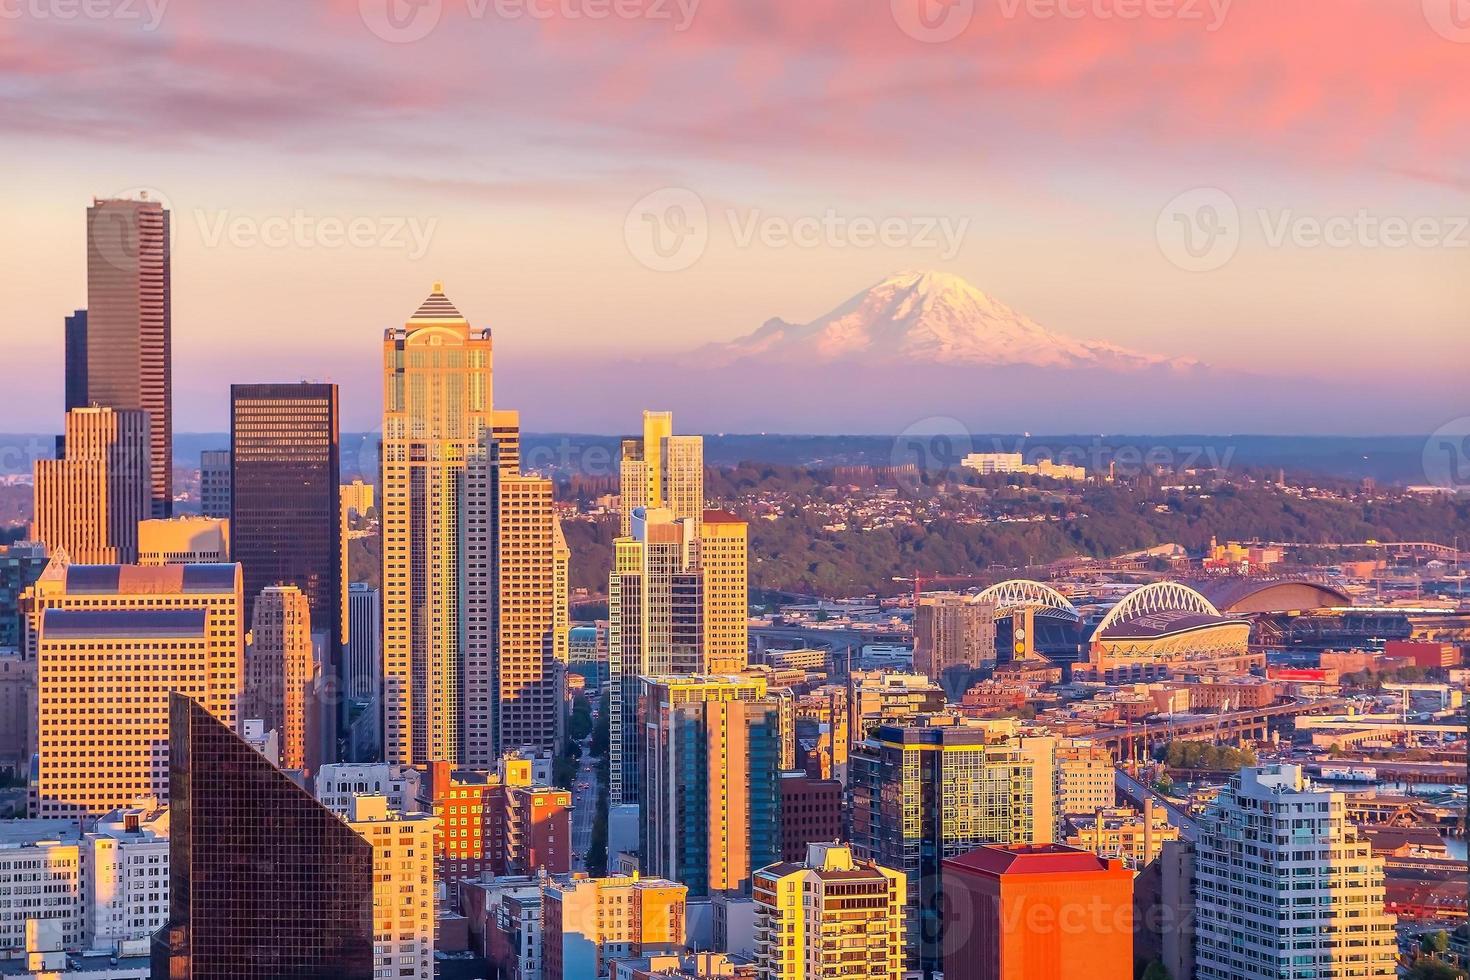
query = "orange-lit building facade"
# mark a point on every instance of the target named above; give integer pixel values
(1037, 912)
(497, 823)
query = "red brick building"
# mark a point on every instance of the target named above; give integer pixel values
(1423, 653)
(811, 813)
(497, 823)
(1037, 912)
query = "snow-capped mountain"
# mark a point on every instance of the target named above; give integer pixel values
(934, 318)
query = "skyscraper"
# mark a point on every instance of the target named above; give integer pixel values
(75, 343)
(89, 503)
(952, 632)
(285, 514)
(129, 325)
(264, 881)
(514, 606)
(654, 609)
(1038, 912)
(1285, 886)
(830, 917)
(437, 374)
(279, 665)
(724, 560)
(710, 764)
(214, 483)
(921, 793)
(111, 635)
(661, 469)
(364, 675)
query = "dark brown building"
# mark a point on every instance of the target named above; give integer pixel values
(285, 509)
(264, 881)
(811, 813)
(129, 326)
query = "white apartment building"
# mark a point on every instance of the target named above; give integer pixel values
(338, 783)
(1285, 888)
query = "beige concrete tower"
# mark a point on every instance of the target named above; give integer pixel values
(279, 665)
(90, 502)
(436, 409)
(724, 559)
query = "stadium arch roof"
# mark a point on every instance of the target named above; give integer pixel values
(1270, 595)
(1020, 593)
(1157, 597)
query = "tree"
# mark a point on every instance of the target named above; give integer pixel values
(1435, 942)
(1427, 969)
(1156, 971)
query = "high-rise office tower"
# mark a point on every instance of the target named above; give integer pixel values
(129, 325)
(922, 793)
(661, 469)
(403, 886)
(264, 881)
(285, 513)
(1038, 912)
(654, 609)
(279, 667)
(437, 373)
(184, 540)
(364, 676)
(710, 763)
(214, 483)
(76, 360)
(1285, 886)
(829, 917)
(89, 503)
(951, 631)
(514, 604)
(111, 635)
(724, 558)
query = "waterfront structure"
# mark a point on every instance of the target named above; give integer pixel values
(110, 634)
(952, 631)
(709, 758)
(724, 559)
(437, 374)
(1284, 886)
(263, 880)
(129, 327)
(1038, 912)
(214, 483)
(925, 792)
(829, 917)
(89, 502)
(587, 922)
(285, 520)
(184, 540)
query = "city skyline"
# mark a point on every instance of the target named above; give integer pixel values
(1304, 128)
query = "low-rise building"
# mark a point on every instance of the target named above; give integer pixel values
(589, 922)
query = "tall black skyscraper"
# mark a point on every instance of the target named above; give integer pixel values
(76, 360)
(130, 325)
(285, 493)
(264, 881)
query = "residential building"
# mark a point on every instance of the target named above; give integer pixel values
(125, 877)
(1123, 833)
(921, 793)
(1086, 780)
(953, 632)
(437, 374)
(129, 327)
(264, 881)
(1037, 912)
(403, 886)
(724, 559)
(89, 502)
(877, 697)
(21, 563)
(111, 633)
(184, 540)
(337, 783)
(829, 917)
(1285, 886)
(710, 762)
(41, 866)
(17, 712)
(214, 483)
(357, 497)
(588, 922)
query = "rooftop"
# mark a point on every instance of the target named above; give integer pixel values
(1013, 859)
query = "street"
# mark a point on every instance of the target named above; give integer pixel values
(584, 806)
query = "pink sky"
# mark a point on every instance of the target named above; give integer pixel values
(499, 146)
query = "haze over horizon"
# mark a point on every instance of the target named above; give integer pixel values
(611, 194)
